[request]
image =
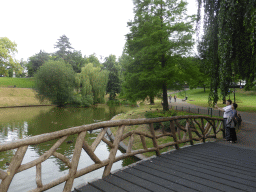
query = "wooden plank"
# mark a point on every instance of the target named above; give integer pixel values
(128, 186)
(200, 166)
(218, 181)
(142, 182)
(175, 177)
(105, 186)
(87, 188)
(159, 179)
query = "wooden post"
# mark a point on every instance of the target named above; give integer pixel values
(113, 151)
(14, 165)
(143, 141)
(172, 127)
(74, 162)
(39, 176)
(154, 139)
(189, 132)
(129, 148)
(202, 129)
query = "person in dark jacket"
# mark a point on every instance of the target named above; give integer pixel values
(232, 124)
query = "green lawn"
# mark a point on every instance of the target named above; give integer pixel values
(246, 100)
(17, 82)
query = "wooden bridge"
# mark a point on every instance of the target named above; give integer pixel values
(206, 167)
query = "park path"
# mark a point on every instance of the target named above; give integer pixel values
(246, 137)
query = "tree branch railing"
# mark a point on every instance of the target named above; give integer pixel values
(196, 128)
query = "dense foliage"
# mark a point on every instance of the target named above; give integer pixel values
(7, 50)
(36, 61)
(228, 44)
(114, 80)
(55, 81)
(91, 85)
(160, 35)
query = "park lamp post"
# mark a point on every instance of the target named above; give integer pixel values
(233, 74)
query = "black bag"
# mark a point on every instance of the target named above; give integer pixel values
(238, 120)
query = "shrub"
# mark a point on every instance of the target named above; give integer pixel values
(157, 114)
(55, 80)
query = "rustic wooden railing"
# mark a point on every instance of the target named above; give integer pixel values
(197, 128)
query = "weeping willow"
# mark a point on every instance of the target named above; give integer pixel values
(92, 83)
(227, 46)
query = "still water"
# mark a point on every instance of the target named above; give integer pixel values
(19, 123)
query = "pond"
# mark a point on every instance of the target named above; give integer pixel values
(18, 123)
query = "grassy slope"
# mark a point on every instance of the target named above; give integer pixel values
(246, 100)
(22, 95)
(18, 82)
(18, 97)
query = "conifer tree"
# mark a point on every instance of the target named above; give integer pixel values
(160, 34)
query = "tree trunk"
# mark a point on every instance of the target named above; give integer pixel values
(165, 99)
(204, 88)
(151, 98)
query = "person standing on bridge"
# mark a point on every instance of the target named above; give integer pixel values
(227, 113)
(231, 123)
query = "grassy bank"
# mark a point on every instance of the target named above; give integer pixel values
(17, 82)
(140, 113)
(19, 97)
(246, 100)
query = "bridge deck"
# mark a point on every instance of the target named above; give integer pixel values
(204, 167)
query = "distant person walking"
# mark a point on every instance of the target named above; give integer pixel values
(175, 97)
(170, 98)
(227, 113)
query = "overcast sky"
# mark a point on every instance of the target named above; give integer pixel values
(91, 26)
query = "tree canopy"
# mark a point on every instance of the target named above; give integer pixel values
(55, 81)
(7, 50)
(36, 61)
(160, 34)
(114, 81)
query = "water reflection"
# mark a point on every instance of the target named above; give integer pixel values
(20, 123)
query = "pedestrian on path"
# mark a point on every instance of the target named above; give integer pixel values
(170, 98)
(227, 113)
(175, 97)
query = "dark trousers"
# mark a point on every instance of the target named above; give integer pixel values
(233, 134)
(227, 129)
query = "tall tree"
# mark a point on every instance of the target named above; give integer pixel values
(114, 82)
(228, 43)
(77, 61)
(64, 47)
(35, 61)
(160, 33)
(7, 50)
